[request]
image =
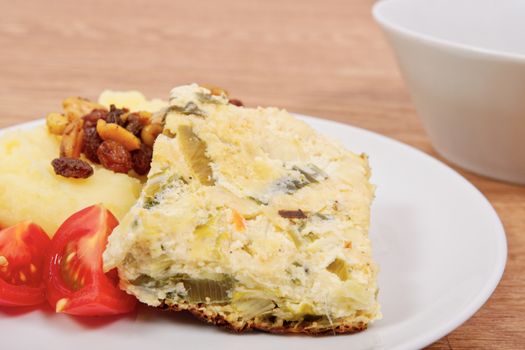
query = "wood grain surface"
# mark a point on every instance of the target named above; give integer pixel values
(324, 58)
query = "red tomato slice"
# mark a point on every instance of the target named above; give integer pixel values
(76, 283)
(22, 251)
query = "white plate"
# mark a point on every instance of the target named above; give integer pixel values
(440, 245)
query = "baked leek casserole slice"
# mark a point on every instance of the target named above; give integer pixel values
(251, 220)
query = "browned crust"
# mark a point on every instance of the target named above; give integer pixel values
(202, 313)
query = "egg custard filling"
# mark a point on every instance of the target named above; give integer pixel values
(252, 220)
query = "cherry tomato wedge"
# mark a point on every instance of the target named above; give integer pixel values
(76, 283)
(22, 251)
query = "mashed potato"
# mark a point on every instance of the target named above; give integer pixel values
(132, 100)
(30, 190)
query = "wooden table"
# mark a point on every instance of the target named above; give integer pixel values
(324, 58)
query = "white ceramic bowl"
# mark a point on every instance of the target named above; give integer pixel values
(464, 64)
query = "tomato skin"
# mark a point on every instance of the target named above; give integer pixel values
(23, 248)
(76, 283)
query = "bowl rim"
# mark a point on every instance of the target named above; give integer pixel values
(438, 42)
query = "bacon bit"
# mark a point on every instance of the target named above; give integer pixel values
(236, 102)
(348, 245)
(293, 214)
(238, 220)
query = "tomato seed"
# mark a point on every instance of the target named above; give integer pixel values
(70, 257)
(3, 261)
(23, 277)
(61, 305)
(75, 276)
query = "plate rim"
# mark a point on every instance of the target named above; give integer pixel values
(475, 304)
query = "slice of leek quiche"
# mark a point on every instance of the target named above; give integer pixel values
(251, 220)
